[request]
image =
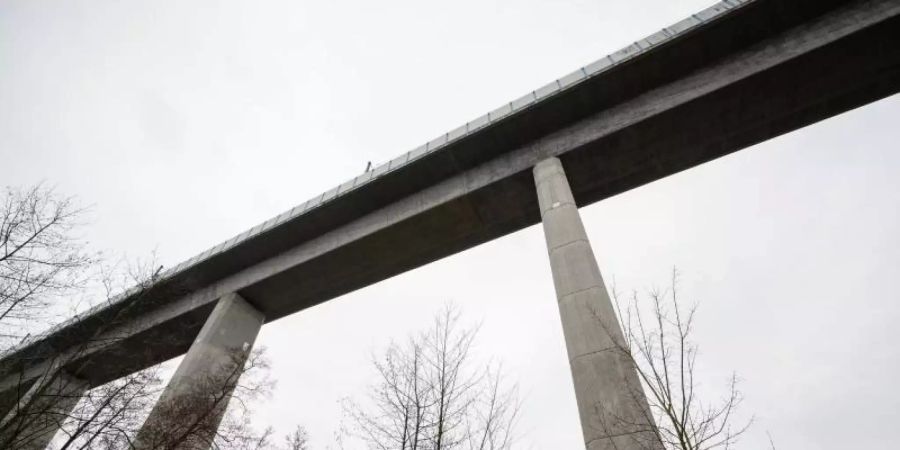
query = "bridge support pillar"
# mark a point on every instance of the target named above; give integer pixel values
(32, 422)
(188, 413)
(611, 403)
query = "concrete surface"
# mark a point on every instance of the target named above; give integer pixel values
(611, 403)
(210, 368)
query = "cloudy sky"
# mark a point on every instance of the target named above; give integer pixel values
(185, 123)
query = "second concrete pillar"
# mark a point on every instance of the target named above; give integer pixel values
(611, 403)
(188, 413)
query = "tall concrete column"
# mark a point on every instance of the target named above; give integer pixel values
(36, 418)
(188, 413)
(612, 406)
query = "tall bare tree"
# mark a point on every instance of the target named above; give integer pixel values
(44, 265)
(658, 341)
(433, 394)
(42, 261)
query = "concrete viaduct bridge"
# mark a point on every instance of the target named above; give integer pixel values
(730, 76)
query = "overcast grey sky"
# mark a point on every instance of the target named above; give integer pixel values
(185, 123)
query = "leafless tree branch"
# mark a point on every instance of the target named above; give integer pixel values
(658, 342)
(431, 395)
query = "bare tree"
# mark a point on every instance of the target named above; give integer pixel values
(431, 394)
(298, 439)
(107, 417)
(192, 420)
(43, 263)
(658, 341)
(41, 259)
(47, 402)
(110, 416)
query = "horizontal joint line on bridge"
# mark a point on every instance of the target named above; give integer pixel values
(576, 241)
(595, 352)
(558, 205)
(562, 297)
